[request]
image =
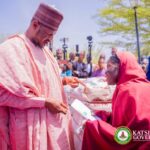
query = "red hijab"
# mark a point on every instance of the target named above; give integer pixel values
(129, 68)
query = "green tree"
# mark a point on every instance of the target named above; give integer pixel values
(117, 20)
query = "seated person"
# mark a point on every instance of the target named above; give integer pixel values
(113, 51)
(144, 64)
(66, 69)
(101, 68)
(59, 54)
(79, 67)
(148, 69)
(71, 57)
(64, 66)
(130, 107)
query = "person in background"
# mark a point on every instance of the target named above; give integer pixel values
(130, 108)
(144, 64)
(63, 64)
(101, 69)
(113, 51)
(31, 89)
(71, 57)
(59, 54)
(67, 70)
(79, 67)
(148, 69)
(67, 67)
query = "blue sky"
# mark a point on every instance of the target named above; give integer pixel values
(78, 20)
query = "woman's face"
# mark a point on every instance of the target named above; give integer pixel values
(112, 72)
(101, 63)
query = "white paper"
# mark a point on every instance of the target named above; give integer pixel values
(83, 110)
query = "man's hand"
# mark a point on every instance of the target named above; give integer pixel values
(56, 107)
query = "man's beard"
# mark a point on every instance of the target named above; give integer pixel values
(36, 43)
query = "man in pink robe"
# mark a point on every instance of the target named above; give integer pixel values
(34, 114)
(130, 108)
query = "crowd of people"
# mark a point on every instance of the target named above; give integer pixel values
(77, 66)
(34, 112)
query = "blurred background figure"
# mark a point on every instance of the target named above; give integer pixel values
(79, 67)
(148, 69)
(144, 64)
(67, 70)
(100, 70)
(71, 57)
(113, 51)
(62, 63)
(59, 54)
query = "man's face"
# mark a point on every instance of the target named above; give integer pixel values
(81, 57)
(112, 72)
(59, 54)
(72, 56)
(113, 51)
(43, 36)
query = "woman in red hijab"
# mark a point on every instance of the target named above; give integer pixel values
(130, 108)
